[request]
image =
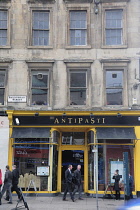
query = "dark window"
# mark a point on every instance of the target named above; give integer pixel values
(3, 27)
(39, 88)
(40, 28)
(114, 87)
(78, 28)
(78, 88)
(114, 27)
(2, 86)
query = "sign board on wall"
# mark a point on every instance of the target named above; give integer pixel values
(17, 99)
(4, 122)
(42, 170)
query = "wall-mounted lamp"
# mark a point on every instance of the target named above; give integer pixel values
(91, 115)
(17, 121)
(119, 115)
(36, 114)
(96, 7)
(64, 115)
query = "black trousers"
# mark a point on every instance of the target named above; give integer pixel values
(16, 189)
(117, 194)
(68, 189)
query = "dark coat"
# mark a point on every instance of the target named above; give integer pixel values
(15, 174)
(77, 175)
(68, 176)
(8, 177)
(116, 183)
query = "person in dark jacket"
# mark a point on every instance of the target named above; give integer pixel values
(78, 182)
(68, 179)
(15, 178)
(7, 184)
(131, 186)
(116, 184)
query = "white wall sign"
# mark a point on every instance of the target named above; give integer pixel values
(17, 99)
(43, 170)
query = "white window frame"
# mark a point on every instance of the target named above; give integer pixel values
(121, 6)
(7, 9)
(76, 70)
(38, 71)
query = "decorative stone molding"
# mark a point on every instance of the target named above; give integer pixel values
(78, 1)
(41, 1)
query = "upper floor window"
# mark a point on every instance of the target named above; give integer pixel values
(3, 27)
(2, 86)
(78, 87)
(39, 87)
(40, 28)
(114, 27)
(114, 87)
(78, 28)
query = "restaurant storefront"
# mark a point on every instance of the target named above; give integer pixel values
(42, 144)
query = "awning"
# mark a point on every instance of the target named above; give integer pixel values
(31, 133)
(115, 133)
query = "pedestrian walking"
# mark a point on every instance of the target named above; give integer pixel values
(68, 180)
(7, 184)
(116, 184)
(15, 177)
(0, 180)
(78, 182)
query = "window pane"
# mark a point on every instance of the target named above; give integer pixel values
(2, 78)
(3, 37)
(114, 37)
(114, 79)
(78, 37)
(77, 96)
(41, 20)
(39, 96)
(78, 19)
(114, 96)
(39, 80)
(114, 27)
(1, 96)
(40, 37)
(78, 79)
(27, 157)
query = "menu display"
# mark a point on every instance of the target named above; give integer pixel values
(42, 170)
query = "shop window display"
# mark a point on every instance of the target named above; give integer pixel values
(28, 155)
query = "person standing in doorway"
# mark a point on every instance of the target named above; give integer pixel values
(7, 184)
(78, 182)
(116, 184)
(131, 186)
(68, 180)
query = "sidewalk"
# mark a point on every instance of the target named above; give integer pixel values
(56, 203)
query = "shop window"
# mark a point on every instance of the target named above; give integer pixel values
(3, 27)
(78, 28)
(109, 161)
(114, 27)
(39, 87)
(73, 138)
(2, 86)
(114, 87)
(28, 155)
(78, 87)
(40, 28)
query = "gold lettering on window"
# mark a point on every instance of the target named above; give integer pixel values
(69, 119)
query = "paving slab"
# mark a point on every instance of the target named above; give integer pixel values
(56, 203)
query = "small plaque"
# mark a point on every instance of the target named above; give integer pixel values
(17, 99)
